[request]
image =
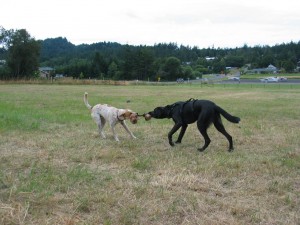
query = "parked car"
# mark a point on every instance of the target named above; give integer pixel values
(282, 79)
(58, 76)
(269, 79)
(234, 78)
(180, 80)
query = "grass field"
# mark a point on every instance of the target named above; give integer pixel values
(55, 169)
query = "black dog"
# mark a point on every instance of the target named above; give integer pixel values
(203, 111)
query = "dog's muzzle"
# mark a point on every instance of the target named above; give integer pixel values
(133, 118)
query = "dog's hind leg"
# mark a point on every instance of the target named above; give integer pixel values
(100, 123)
(202, 124)
(181, 134)
(220, 127)
(203, 131)
(114, 132)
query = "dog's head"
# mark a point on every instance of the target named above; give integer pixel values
(132, 116)
(161, 112)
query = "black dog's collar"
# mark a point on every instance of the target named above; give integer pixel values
(172, 107)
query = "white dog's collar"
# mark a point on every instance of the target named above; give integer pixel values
(119, 117)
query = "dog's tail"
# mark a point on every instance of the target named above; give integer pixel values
(86, 101)
(230, 118)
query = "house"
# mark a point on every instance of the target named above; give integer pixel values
(46, 72)
(269, 69)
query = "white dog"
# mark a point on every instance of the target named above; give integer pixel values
(102, 113)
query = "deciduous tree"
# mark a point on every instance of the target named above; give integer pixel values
(23, 54)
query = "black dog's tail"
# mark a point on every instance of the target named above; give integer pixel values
(230, 118)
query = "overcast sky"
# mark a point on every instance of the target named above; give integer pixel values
(218, 23)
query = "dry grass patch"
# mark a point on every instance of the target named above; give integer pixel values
(54, 168)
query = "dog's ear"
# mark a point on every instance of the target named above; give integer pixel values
(127, 113)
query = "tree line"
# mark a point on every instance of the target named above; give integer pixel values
(23, 55)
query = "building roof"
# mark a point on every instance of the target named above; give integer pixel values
(46, 68)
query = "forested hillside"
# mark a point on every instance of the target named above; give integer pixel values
(107, 60)
(21, 56)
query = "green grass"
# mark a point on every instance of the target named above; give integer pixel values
(55, 169)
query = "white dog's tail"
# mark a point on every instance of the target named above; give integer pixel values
(86, 101)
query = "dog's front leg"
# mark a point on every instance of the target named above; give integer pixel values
(182, 131)
(126, 128)
(174, 129)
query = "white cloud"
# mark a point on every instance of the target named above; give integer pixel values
(199, 23)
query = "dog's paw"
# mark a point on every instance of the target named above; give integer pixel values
(178, 142)
(201, 149)
(172, 143)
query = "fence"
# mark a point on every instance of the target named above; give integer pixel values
(71, 81)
